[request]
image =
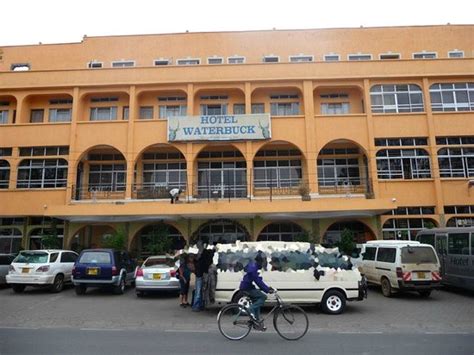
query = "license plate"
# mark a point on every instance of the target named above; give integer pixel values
(156, 276)
(93, 271)
(25, 271)
(421, 275)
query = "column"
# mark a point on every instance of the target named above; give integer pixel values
(130, 143)
(191, 187)
(248, 98)
(433, 152)
(20, 109)
(74, 155)
(14, 162)
(249, 171)
(371, 161)
(310, 153)
(190, 103)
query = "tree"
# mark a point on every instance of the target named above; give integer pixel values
(346, 245)
(50, 239)
(117, 240)
(159, 241)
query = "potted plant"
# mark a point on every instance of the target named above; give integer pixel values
(304, 190)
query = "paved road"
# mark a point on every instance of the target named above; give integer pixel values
(406, 323)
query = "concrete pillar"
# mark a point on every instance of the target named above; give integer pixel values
(311, 173)
(73, 154)
(248, 98)
(190, 103)
(130, 142)
(249, 164)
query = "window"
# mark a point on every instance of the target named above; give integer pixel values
(452, 97)
(214, 109)
(403, 164)
(94, 65)
(386, 255)
(458, 243)
(104, 99)
(301, 58)
(20, 67)
(418, 255)
(456, 54)
(369, 253)
(359, 57)
(4, 174)
(239, 109)
(172, 111)
(123, 64)
(162, 61)
(60, 102)
(331, 57)
(103, 113)
(284, 232)
(340, 171)
(3, 116)
(43, 151)
(336, 108)
(424, 55)
(416, 210)
(10, 240)
(67, 257)
(95, 257)
(460, 222)
(53, 257)
(37, 116)
(396, 98)
(5, 152)
(42, 173)
(389, 56)
(172, 98)
(188, 61)
(146, 112)
(60, 115)
(107, 177)
(398, 142)
(456, 162)
(277, 173)
(284, 108)
(405, 228)
(258, 108)
(455, 140)
(126, 112)
(214, 97)
(169, 175)
(236, 60)
(427, 239)
(463, 209)
(215, 60)
(335, 95)
(271, 59)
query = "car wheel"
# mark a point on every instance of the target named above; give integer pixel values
(425, 293)
(80, 289)
(386, 287)
(139, 293)
(18, 288)
(58, 284)
(237, 296)
(120, 288)
(334, 302)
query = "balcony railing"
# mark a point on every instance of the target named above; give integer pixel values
(340, 186)
(156, 191)
(98, 192)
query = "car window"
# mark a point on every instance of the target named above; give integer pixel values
(159, 262)
(418, 255)
(472, 243)
(386, 255)
(237, 261)
(67, 257)
(427, 239)
(95, 258)
(53, 257)
(369, 253)
(293, 260)
(6, 259)
(458, 243)
(31, 257)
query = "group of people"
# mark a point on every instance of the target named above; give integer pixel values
(205, 272)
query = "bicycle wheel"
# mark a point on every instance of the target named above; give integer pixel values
(291, 322)
(234, 322)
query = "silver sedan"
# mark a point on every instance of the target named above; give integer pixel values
(157, 273)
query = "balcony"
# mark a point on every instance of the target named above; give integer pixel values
(347, 186)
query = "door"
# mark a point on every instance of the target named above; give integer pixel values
(368, 264)
(442, 251)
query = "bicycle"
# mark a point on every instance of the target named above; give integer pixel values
(235, 321)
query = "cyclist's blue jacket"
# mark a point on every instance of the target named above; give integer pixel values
(252, 276)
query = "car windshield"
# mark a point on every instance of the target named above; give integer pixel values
(159, 262)
(95, 258)
(31, 257)
(418, 255)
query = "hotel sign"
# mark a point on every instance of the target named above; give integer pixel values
(219, 127)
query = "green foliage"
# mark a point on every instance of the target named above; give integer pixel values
(117, 240)
(159, 242)
(50, 240)
(302, 237)
(346, 245)
(429, 225)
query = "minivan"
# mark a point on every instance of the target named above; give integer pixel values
(400, 265)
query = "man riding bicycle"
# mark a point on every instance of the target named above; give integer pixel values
(258, 297)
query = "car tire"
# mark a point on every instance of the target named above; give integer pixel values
(425, 293)
(18, 288)
(80, 290)
(237, 296)
(333, 302)
(58, 284)
(386, 287)
(120, 288)
(139, 293)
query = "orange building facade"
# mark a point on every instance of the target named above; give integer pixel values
(268, 135)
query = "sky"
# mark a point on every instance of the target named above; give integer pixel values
(60, 21)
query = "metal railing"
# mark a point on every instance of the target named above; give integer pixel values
(340, 186)
(98, 192)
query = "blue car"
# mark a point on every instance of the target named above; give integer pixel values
(103, 268)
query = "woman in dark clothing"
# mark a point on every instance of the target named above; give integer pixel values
(184, 275)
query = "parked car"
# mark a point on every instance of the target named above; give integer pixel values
(103, 268)
(157, 273)
(400, 265)
(5, 261)
(51, 268)
(302, 273)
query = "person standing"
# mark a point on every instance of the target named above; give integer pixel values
(198, 271)
(184, 275)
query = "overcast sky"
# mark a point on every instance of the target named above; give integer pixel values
(57, 21)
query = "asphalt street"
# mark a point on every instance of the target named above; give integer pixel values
(38, 322)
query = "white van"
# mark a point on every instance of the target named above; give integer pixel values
(300, 272)
(400, 265)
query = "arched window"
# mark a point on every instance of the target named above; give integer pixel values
(221, 231)
(10, 240)
(151, 235)
(396, 98)
(277, 168)
(403, 164)
(405, 228)
(38, 234)
(284, 232)
(452, 97)
(4, 174)
(42, 173)
(456, 162)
